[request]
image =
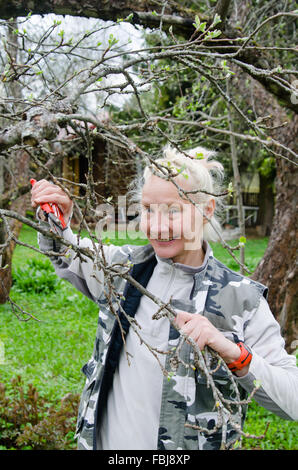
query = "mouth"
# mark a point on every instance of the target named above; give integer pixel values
(165, 241)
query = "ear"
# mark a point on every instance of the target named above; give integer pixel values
(209, 210)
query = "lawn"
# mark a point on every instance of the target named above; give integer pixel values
(50, 352)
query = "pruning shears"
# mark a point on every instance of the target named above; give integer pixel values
(52, 214)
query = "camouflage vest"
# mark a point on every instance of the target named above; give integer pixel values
(226, 298)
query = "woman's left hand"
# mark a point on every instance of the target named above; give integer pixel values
(201, 330)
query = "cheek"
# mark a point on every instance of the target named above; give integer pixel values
(144, 223)
(191, 223)
(186, 224)
(176, 225)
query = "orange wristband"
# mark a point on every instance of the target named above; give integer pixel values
(244, 359)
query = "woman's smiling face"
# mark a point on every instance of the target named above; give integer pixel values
(173, 226)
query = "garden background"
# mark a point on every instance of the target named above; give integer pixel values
(90, 92)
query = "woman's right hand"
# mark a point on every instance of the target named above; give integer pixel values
(43, 191)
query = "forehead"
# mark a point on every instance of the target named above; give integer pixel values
(159, 191)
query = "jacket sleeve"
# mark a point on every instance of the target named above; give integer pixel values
(271, 365)
(81, 271)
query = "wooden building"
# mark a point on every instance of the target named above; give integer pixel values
(250, 189)
(112, 166)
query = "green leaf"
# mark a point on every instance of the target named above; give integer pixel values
(213, 34)
(242, 240)
(202, 27)
(179, 170)
(199, 156)
(112, 40)
(216, 19)
(197, 22)
(129, 17)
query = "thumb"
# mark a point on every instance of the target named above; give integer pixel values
(182, 318)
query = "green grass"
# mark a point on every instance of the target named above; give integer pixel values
(49, 353)
(254, 250)
(281, 434)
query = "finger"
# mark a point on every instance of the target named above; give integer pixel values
(39, 184)
(199, 337)
(182, 318)
(195, 332)
(38, 187)
(48, 193)
(62, 201)
(189, 327)
(37, 195)
(43, 185)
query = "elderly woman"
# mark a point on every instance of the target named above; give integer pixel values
(131, 404)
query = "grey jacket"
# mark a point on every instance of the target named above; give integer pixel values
(230, 301)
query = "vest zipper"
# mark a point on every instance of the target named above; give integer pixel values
(144, 281)
(172, 277)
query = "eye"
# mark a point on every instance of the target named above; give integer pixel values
(174, 210)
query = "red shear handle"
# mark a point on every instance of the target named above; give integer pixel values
(51, 207)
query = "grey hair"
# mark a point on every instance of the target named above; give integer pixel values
(203, 174)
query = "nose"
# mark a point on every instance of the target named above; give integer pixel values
(159, 225)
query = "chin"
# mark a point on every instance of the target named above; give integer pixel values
(167, 251)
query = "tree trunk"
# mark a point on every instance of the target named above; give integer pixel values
(237, 181)
(21, 175)
(5, 266)
(278, 267)
(18, 168)
(266, 206)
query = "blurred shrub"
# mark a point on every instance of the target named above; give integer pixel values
(36, 276)
(28, 421)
